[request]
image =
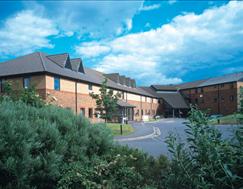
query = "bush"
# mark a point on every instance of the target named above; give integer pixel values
(209, 161)
(36, 142)
(120, 168)
(47, 147)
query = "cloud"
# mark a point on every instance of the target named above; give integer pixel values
(94, 18)
(24, 33)
(171, 2)
(129, 24)
(149, 7)
(91, 49)
(189, 42)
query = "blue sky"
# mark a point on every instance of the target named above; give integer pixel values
(155, 42)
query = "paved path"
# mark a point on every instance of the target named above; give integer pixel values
(154, 143)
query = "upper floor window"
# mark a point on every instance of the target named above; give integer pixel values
(196, 91)
(201, 90)
(232, 85)
(196, 100)
(26, 82)
(90, 87)
(222, 98)
(222, 85)
(215, 99)
(145, 99)
(57, 83)
(231, 98)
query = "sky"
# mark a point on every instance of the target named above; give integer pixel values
(154, 42)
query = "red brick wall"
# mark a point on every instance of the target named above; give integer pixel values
(216, 98)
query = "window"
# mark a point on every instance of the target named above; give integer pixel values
(202, 100)
(90, 87)
(90, 112)
(57, 83)
(215, 100)
(142, 112)
(222, 85)
(201, 90)
(232, 85)
(196, 91)
(1, 85)
(215, 86)
(123, 95)
(222, 98)
(26, 82)
(231, 98)
(145, 99)
(82, 112)
(196, 100)
(137, 113)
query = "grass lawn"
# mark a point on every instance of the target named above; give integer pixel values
(115, 127)
(228, 120)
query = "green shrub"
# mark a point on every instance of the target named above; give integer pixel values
(36, 142)
(208, 161)
(47, 147)
(120, 168)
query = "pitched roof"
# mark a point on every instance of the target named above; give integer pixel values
(223, 79)
(165, 87)
(41, 62)
(174, 99)
(59, 59)
(77, 65)
(201, 83)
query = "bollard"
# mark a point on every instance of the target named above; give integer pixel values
(121, 128)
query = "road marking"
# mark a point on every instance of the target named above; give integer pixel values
(156, 133)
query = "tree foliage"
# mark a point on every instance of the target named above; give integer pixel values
(241, 100)
(28, 95)
(49, 147)
(106, 101)
(206, 160)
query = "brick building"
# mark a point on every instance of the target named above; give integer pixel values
(218, 95)
(67, 83)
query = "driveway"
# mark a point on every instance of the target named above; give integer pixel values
(150, 137)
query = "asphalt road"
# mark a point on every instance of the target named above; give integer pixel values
(156, 145)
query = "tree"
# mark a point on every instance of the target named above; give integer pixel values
(106, 101)
(241, 99)
(28, 95)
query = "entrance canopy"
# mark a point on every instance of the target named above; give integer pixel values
(124, 104)
(174, 99)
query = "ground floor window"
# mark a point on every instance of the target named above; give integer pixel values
(1, 85)
(137, 113)
(82, 111)
(90, 112)
(26, 82)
